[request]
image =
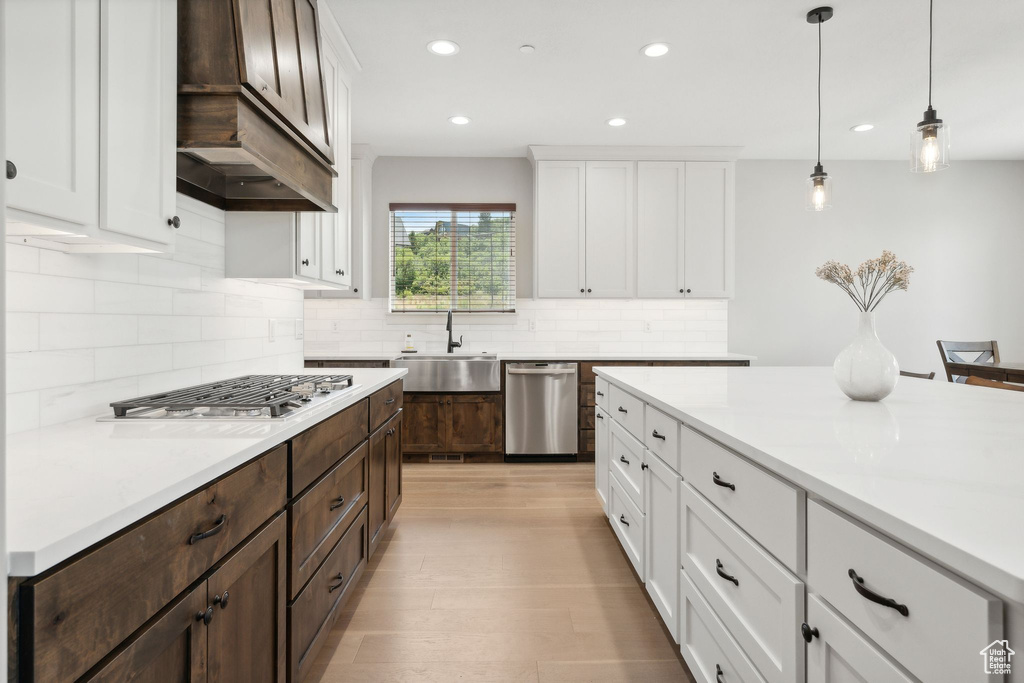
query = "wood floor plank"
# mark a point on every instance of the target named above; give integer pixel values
(660, 671)
(433, 672)
(556, 621)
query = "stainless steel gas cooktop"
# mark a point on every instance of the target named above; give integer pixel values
(252, 397)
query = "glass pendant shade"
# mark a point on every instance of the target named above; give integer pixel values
(819, 191)
(929, 145)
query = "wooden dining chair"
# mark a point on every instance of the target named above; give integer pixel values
(982, 382)
(976, 352)
(919, 375)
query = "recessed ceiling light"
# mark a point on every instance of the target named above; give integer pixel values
(616, 121)
(862, 127)
(459, 120)
(526, 49)
(443, 47)
(655, 50)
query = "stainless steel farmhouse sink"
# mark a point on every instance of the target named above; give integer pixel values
(451, 373)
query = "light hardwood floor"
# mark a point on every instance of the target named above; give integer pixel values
(499, 573)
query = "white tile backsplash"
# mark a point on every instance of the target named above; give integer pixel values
(336, 327)
(87, 329)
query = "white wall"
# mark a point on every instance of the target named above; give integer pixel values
(84, 330)
(962, 229)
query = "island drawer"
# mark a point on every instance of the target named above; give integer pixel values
(712, 654)
(315, 450)
(661, 436)
(319, 517)
(931, 614)
(627, 410)
(601, 388)
(75, 615)
(626, 460)
(758, 599)
(314, 611)
(764, 506)
(628, 523)
(384, 403)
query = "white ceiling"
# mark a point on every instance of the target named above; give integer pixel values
(740, 72)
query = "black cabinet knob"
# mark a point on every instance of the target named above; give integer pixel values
(205, 616)
(174, 222)
(221, 600)
(589, 290)
(807, 632)
(687, 291)
(305, 261)
(12, 170)
(681, 291)
(341, 273)
(581, 290)
(644, 466)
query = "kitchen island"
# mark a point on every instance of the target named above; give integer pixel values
(882, 537)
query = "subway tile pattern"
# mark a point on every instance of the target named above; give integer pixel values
(347, 326)
(87, 329)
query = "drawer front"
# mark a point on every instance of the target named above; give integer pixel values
(78, 614)
(317, 449)
(320, 516)
(627, 462)
(316, 609)
(627, 410)
(711, 653)
(601, 388)
(628, 522)
(384, 404)
(661, 436)
(762, 605)
(839, 653)
(765, 507)
(943, 612)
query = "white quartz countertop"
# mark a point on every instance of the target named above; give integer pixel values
(72, 485)
(554, 356)
(938, 466)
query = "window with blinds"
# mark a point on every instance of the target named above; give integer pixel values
(457, 256)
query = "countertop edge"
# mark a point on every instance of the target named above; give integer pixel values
(954, 559)
(31, 563)
(531, 355)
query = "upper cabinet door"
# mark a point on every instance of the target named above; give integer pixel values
(280, 61)
(661, 203)
(609, 229)
(561, 228)
(336, 227)
(709, 241)
(138, 110)
(307, 234)
(51, 62)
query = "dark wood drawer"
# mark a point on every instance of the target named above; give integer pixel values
(587, 418)
(316, 609)
(313, 364)
(317, 449)
(319, 517)
(74, 616)
(587, 395)
(384, 404)
(587, 375)
(354, 364)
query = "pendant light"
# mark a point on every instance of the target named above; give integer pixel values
(929, 142)
(819, 185)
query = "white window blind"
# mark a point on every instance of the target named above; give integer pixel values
(457, 256)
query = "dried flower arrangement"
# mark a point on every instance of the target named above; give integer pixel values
(872, 280)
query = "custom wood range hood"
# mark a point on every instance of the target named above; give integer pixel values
(253, 125)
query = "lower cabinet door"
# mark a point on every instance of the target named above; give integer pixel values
(247, 593)
(171, 647)
(837, 653)
(661, 545)
(601, 449)
(712, 654)
(377, 497)
(475, 423)
(425, 427)
(394, 464)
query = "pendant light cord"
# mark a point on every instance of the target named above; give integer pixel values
(819, 90)
(931, 10)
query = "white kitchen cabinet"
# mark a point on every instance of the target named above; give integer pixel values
(274, 246)
(685, 242)
(91, 115)
(609, 229)
(662, 543)
(336, 228)
(602, 447)
(561, 193)
(307, 254)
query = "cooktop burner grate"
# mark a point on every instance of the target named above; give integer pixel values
(278, 393)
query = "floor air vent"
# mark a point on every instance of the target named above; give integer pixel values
(443, 457)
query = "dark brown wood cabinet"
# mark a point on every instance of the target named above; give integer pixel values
(393, 451)
(453, 423)
(385, 487)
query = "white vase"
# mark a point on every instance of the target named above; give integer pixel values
(865, 370)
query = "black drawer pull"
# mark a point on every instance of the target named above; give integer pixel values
(12, 170)
(721, 482)
(600, 393)
(622, 458)
(644, 465)
(656, 435)
(622, 520)
(599, 416)
(720, 568)
(213, 531)
(622, 410)
(807, 632)
(341, 580)
(337, 502)
(221, 600)
(858, 583)
(389, 401)
(205, 616)
(719, 674)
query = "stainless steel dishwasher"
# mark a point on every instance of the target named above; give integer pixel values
(541, 413)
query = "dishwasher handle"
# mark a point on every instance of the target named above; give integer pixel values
(541, 371)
